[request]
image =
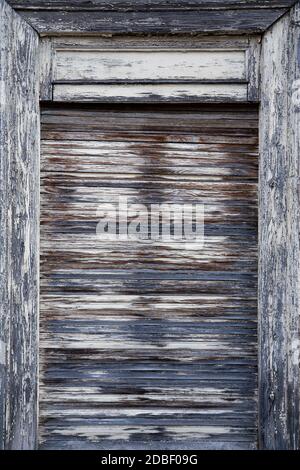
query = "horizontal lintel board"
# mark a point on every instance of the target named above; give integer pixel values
(150, 92)
(149, 5)
(207, 21)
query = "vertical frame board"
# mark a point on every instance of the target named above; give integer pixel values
(19, 213)
(46, 69)
(279, 267)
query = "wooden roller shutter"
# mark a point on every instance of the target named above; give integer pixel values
(148, 346)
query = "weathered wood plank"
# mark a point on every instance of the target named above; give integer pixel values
(46, 59)
(243, 21)
(19, 176)
(139, 65)
(253, 54)
(172, 359)
(146, 4)
(145, 93)
(279, 266)
(177, 42)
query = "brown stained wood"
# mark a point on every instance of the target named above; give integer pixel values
(19, 204)
(148, 346)
(279, 265)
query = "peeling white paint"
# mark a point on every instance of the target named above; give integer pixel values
(2, 353)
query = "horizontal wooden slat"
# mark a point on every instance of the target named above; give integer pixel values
(148, 344)
(151, 92)
(108, 118)
(182, 307)
(125, 41)
(150, 65)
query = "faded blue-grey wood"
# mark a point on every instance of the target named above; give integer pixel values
(145, 16)
(147, 4)
(279, 266)
(19, 196)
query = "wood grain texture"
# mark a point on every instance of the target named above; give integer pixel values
(139, 65)
(151, 92)
(148, 346)
(279, 266)
(19, 196)
(177, 42)
(46, 59)
(206, 69)
(253, 57)
(147, 4)
(228, 21)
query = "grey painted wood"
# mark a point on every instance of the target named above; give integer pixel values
(148, 16)
(46, 59)
(279, 266)
(51, 22)
(19, 182)
(148, 346)
(147, 4)
(253, 53)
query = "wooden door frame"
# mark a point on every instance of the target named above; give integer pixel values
(279, 223)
